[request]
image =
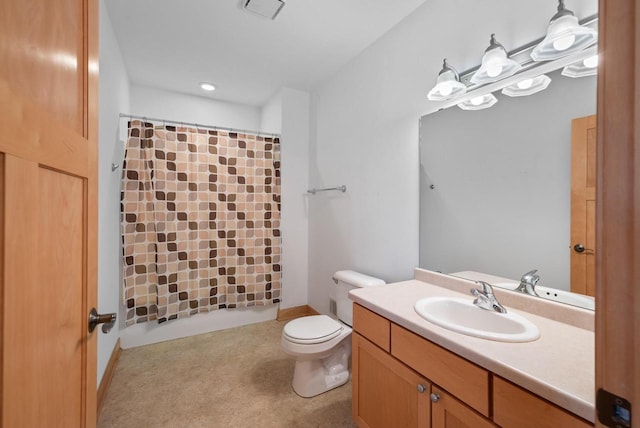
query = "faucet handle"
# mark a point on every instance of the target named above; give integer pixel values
(485, 299)
(486, 292)
(530, 277)
(487, 288)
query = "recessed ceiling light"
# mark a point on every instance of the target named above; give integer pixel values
(207, 86)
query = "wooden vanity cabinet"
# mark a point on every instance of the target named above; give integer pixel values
(517, 407)
(447, 412)
(401, 379)
(386, 393)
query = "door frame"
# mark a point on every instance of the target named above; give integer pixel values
(617, 327)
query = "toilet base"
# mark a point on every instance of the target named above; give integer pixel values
(313, 377)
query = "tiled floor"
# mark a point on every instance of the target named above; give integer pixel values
(231, 378)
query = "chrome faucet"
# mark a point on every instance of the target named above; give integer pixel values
(485, 298)
(528, 283)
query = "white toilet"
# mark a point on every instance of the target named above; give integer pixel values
(322, 345)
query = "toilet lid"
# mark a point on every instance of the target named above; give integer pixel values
(312, 329)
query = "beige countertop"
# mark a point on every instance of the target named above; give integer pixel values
(559, 366)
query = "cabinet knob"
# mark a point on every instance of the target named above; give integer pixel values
(435, 397)
(421, 388)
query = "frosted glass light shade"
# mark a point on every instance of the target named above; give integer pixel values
(448, 85)
(527, 86)
(479, 103)
(586, 67)
(495, 64)
(564, 36)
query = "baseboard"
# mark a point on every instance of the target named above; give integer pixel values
(296, 312)
(107, 376)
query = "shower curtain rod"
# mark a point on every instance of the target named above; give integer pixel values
(199, 125)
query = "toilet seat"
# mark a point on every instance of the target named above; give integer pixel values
(312, 329)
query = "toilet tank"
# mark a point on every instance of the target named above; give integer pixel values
(347, 280)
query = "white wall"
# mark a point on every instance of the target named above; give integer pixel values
(365, 133)
(364, 136)
(114, 98)
(295, 199)
(271, 114)
(288, 113)
(161, 104)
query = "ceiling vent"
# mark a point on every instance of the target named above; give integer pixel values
(266, 8)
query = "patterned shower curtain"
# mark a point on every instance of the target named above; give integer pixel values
(200, 221)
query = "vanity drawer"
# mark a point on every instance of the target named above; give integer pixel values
(461, 378)
(372, 326)
(517, 407)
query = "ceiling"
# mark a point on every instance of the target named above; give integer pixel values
(176, 44)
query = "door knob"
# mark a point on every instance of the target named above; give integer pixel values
(579, 248)
(421, 388)
(435, 397)
(107, 321)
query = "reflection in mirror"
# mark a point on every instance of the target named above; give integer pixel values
(495, 184)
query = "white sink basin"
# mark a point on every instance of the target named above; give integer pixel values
(556, 295)
(566, 297)
(462, 316)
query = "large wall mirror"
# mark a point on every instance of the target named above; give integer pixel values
(495, 184)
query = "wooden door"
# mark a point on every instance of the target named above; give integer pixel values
(583, 205)
(48, 212)
(386, 393)
(447, 412)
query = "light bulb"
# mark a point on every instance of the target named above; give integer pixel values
(591, 62)
(477, 100)
(525, 84)
(564, 43)
(494, 70)
(446, 88)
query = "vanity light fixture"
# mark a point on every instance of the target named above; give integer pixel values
(528, 86)
(564, 36)
(448, 85)
(478, 103)
(586, 67)
(496, 65)
(206, 86)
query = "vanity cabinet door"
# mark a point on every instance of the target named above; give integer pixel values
(514, 407)
(386, 393)
(447, 412)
